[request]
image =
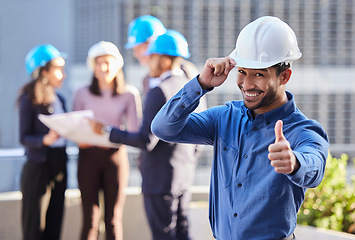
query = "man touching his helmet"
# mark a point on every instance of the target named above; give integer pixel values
(266, 152)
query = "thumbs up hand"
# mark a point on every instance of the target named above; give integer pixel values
(280, 153)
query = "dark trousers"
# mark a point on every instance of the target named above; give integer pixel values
(97, 170)
(168, 216)
(43, 186)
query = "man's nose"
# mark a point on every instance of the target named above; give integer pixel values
(247, 83)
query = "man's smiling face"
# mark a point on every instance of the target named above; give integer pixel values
(262, 89)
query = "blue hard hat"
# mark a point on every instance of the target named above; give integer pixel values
(142, 29)
(171, 43)
(39, 56)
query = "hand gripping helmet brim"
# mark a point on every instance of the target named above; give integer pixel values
(103, 48)
(264, 43)
(39, 56)
(143, 29)
(171, 43)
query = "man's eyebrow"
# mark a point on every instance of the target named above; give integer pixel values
(262, 69)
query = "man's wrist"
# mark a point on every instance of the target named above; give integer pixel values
(203, 86)
(296, 167)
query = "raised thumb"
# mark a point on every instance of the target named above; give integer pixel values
(279, 135)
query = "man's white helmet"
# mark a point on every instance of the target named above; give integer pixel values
(264, 43)
(100, 49)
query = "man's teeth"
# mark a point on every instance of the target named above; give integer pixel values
(251, 94)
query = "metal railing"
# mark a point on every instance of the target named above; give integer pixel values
(12, 161)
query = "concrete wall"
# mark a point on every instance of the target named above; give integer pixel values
(135, 224)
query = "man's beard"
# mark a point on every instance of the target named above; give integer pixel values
(268, 99)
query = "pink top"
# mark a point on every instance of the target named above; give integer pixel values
(121, 111)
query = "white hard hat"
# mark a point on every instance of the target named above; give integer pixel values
(100, 49)
(264, 43)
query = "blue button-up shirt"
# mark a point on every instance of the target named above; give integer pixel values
(248, 199)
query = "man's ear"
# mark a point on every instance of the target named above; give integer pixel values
(285, 76)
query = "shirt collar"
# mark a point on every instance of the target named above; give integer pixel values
(175, 71)
(276, 114)
(154, 82)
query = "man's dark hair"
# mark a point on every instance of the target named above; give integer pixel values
(280, 67)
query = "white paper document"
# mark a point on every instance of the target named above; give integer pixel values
(75, 127)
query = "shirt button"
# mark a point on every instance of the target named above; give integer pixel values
(255, 129)
(235, 214)
(245, 156)
(198, 93)
(240, 185)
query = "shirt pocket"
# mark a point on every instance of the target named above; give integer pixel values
(227, 160)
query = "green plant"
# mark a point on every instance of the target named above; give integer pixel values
(331, 205)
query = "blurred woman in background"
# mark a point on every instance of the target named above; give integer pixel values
(107, 169)
(44, 175)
